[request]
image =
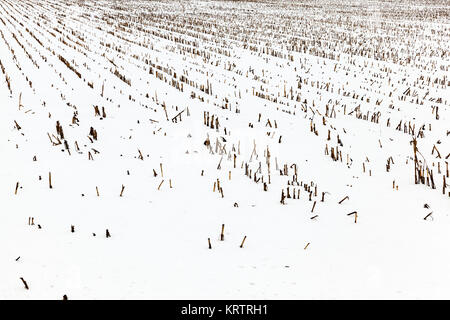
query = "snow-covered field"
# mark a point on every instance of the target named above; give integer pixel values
(289, 124)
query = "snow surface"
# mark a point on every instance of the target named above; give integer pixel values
(305, 248)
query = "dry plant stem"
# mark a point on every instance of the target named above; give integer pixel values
(314, 205)
(346, 197)
(243, 240)
(25, 283)
(428, 215)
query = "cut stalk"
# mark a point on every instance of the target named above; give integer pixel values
(243, 240)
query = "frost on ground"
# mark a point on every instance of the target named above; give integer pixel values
(314, 134)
